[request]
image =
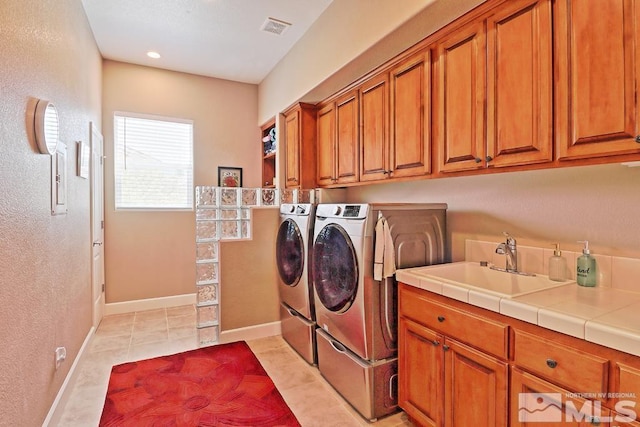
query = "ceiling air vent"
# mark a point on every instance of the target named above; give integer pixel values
(275, 26)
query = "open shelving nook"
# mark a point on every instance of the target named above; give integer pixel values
(269, 142)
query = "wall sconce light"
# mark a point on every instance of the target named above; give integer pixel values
(46, 126)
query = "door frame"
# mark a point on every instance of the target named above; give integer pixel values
(97, 224)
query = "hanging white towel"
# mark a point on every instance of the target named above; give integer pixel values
(384, 257)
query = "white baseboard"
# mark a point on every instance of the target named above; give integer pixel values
(53, 417)
(251, 332)
(149, 304)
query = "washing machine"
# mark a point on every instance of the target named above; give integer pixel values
(293, 244)
(356, 314)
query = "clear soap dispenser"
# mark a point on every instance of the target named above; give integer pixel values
(586, 267)
(557, 265)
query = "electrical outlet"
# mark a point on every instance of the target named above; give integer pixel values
(61, 354)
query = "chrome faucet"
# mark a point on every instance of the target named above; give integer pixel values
(509, 249)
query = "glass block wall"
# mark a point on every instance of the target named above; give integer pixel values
(224, 213)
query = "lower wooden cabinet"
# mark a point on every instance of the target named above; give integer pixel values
(475, 387)
(444, 382)
(461, 365)
(451, 384)
(421, 373)
(536, 402)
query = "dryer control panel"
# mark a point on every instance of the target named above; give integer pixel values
(300, 209)
(339, 210)
(351, 211)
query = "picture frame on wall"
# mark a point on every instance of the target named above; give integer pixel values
(83, 154)
(229, 176)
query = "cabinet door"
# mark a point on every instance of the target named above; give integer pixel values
(475, 387)
(519, 84)
(292, 149)
(300, 146)
(461, 77)
(538, 403)
(374, 124)
(326, 123)
(420, 373)
(410, 137)
(347, 148)
(597, 69)
(626, 383)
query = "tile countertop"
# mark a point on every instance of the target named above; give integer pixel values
(606, 316)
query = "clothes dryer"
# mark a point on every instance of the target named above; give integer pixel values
(293, 244)
(356, 313)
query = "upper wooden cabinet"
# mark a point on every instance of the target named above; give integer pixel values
(374, 125)
(326, 140)
(337, 141)
(516, 84)
(347, 139)
(460, 94)
(505, 57)
(410, 116)
(520, 84)
(300, 146)
(383, 125)
(598, 69)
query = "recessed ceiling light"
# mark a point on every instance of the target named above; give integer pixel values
(152, 54)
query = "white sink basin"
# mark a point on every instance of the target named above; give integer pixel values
(472, 275)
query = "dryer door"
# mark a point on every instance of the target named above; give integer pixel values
(290, 253)
(335, 268)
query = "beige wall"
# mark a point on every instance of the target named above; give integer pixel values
(340, 48)
(596, 203)
(152, 254)
(46, 51)
(249, 292)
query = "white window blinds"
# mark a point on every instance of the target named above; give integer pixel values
(153, 162)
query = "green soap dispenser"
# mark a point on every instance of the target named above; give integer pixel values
(586, 267)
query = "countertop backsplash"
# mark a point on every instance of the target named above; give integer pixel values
(612, 272)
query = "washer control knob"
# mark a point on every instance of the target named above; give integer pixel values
(337, 210)
(292, 208)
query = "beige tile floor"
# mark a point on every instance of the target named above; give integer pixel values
(134, 336)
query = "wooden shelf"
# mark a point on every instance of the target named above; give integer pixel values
(269, 159)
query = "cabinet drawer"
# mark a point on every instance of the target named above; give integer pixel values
(484, 334)
(568, 367)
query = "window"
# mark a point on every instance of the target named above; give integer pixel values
(153, 162)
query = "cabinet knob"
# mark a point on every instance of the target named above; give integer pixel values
(638, 139)
(440, 319)
(488, 158)
(445, 347)
(478, 159)
(435, 343)
(551, 363)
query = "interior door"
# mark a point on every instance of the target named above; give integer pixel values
(97, 224)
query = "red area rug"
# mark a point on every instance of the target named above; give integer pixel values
(222, 385)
